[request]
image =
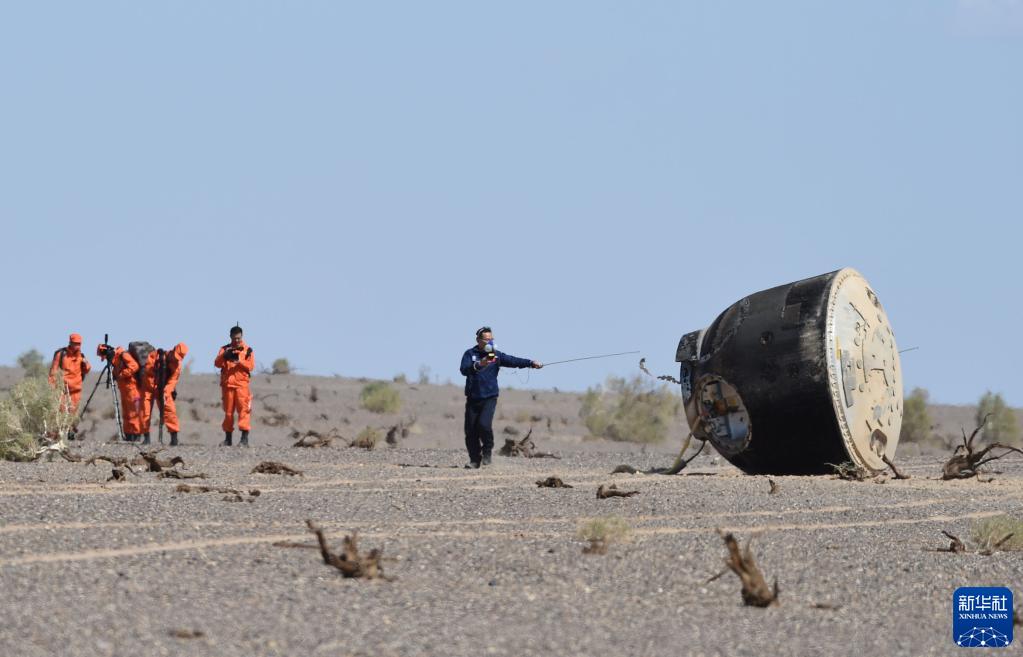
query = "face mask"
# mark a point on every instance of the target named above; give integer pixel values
(489, 347)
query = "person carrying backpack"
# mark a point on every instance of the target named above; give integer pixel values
(163, 368)
(73, 366)
(236, 363)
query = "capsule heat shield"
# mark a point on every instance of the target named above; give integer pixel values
(791, 379)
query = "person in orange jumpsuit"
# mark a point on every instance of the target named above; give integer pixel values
(125, 367)
(236, 363)
(73, 366)
(163, 368)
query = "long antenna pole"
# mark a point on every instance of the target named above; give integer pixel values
(572, 360)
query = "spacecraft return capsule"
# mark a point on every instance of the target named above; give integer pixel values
(794, 378)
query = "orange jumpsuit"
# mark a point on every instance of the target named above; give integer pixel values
(74, 366)
(173, 362)
(234, 386)
(125, 368)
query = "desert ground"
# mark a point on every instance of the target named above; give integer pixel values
(479, 562)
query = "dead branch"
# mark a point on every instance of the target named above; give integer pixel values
(955, 547)
(185, 488)
(551, 482)
(755, 591)
(604, 493)
(274, 467)
(965, 462)
(997, 545)
(293, 544)
(187, 634)
(314, 438)
(525, 448)
(624, 469)
(895, 471)
(774, 487)
(178, 474)
(848, 471)
(349, 561)
(154, 464)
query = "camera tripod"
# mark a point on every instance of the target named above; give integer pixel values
(105, 376)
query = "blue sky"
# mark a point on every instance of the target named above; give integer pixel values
(362, 185)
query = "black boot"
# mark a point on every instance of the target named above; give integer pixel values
(145, 439)
(129, 437)
(244, 442)
(174, 439)
(227, 439)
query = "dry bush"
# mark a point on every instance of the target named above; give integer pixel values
(350, 561)
(31, 417)
(280, 366)
(755, 590)
(380, 397)
(400, 378)
(424, 375)
(990, 533)
(602, 532)
(367, 438)
(630, 410)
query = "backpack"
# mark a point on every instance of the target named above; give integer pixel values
(140, 351)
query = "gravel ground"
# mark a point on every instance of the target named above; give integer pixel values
(483, 562)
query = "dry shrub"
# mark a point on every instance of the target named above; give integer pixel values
(602, 532)
(755, 590)
(367, 438)
(280, 366)
(990, 533)
(380, 397)
(630, 410)
(31, 417)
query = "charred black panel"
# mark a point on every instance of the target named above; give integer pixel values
(770, 346)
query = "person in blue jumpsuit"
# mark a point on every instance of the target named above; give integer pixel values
(481, 365)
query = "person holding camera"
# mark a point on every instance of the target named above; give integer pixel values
(125, 367)
(236, 363)
(480, 366)
(163, 368)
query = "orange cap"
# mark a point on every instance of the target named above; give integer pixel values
(75, 338)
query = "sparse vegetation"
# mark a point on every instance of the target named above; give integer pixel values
(31, 417)
(280, 366)
(630, 410)
(916, 421)
(367, 438)
(424, 375)
(990, 533)
(1000, 425)
(600, 533)
(380, 397)
(400, 378)
(32, 362)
